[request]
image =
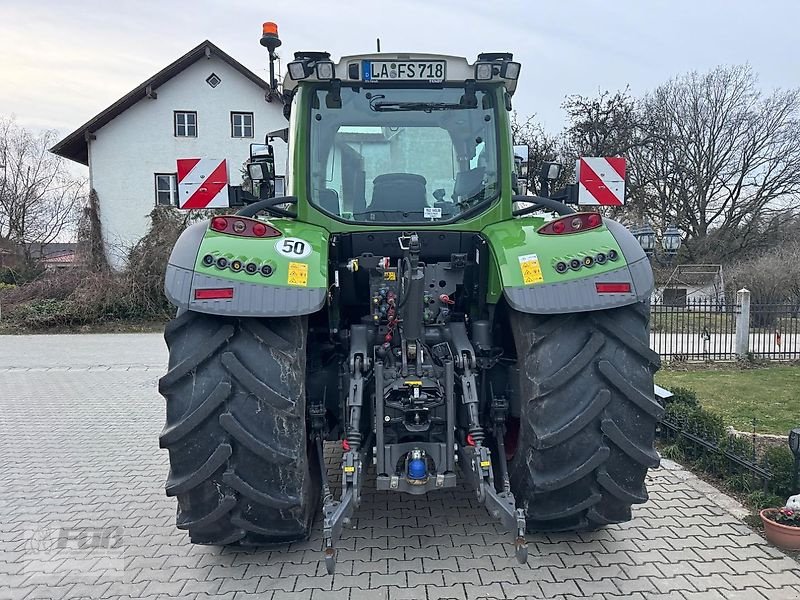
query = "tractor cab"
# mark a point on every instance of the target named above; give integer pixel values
(399, 138)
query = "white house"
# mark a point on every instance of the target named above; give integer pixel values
(204, 105)
(689, 284)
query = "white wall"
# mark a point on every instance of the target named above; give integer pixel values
(129, 150)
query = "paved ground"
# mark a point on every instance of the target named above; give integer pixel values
(83, 514)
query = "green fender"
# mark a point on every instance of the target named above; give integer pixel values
(296, 262)
(524, 270)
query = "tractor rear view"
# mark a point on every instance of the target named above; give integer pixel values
(406, 302)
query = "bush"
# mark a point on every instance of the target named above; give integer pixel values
(761, 500)
(697, 420)
(779, 460)
(78, 297)
(773, 277)
(683, 396)
(21, 274)
(684, 409)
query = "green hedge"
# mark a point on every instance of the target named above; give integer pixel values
(685, 409)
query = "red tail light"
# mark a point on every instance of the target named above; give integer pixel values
(574, 223)
(213, 294)
(613, 288)
(243, 227)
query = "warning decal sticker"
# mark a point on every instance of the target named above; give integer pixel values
(298, 274)
(531, 269)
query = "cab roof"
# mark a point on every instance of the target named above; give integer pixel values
(353, 68)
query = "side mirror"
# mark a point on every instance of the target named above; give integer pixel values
(260, 151)
(260, 170)
(521, 154)
(551, 171)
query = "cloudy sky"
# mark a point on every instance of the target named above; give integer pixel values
(63, 61)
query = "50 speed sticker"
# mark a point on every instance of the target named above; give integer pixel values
(531, 269)
(293, 247)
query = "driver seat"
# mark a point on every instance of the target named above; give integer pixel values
(399, 191)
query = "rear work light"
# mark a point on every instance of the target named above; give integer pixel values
(613, 288)
(213, 294)
(574, 223)
(243, 227)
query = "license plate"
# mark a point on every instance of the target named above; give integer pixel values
(403, 70)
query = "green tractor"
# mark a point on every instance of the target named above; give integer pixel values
(407, 303)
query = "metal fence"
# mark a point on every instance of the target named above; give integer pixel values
(699, 330)
(775, 330)
(710, 329)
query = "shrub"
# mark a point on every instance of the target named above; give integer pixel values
(21, 274)
(779, 460)
(684, 396)
(78, 297)
(697, 420)
(761, 500)
(741, 482)
(673, 452)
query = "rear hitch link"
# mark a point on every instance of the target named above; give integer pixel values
(336, 514)
(501, 505)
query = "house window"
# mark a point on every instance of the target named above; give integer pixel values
(674, 296)
(185, 124)
(241, 125)
(166, 189)
(213, 80)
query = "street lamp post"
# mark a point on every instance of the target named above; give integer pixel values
(670, 242)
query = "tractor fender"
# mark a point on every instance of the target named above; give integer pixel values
(297, 285)
(517, 242)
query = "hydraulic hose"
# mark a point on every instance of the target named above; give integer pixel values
(540, 202)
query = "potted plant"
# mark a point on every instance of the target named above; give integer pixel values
(782, 527)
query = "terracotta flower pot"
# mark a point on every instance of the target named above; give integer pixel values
(782, 536)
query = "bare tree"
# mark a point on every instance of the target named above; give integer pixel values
(607, 125)
(721, 158)
(542, 147)
(39, 198)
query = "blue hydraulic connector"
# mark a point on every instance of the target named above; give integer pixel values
(417, 466)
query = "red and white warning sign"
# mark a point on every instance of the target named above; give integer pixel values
(202, 183)
(601, 181)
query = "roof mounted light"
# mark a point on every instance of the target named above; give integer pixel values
(510, 70)
(492, 64)
(325, 70)
(305, 63)
(298, 69)
(484, 71)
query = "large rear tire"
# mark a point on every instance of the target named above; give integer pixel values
(588, 416)
(236, 429)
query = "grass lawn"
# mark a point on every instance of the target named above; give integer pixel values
(771, 394)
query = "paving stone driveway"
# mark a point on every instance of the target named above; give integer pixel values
(83, 514)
